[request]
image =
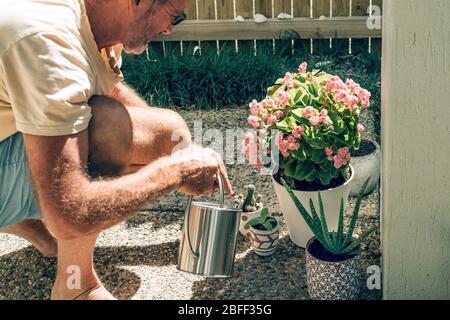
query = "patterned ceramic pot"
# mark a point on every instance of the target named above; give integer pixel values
(264, 243)
(244, 227)
(332, 280)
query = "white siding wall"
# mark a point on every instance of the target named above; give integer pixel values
(416, 149)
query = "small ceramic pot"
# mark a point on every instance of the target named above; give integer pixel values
(263, 242)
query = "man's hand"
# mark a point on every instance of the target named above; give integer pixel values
(199, 168)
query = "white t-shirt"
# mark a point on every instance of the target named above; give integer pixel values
(49, 67)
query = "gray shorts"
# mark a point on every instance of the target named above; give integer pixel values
(17, 196)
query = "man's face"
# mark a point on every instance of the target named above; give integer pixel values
(149, 20)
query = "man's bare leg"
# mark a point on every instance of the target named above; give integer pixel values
(76, 277)
(35, 232)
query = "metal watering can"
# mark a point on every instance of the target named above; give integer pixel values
(209, 235)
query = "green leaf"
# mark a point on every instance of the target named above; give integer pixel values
(314, 213)
(294, 94)
(300, 154)
(357, 142)
(314, 138)
(325, 178)
(340, 231)
(355, 243)
(271, 91)
(334, 242)
(268, 225)
(319, 156)
(354, 218)
(308, 219)
(283, 125)
(338, 123)
(290, 168)
(304, 170)
(264, 214)
(323, 223)
(313, 90)
(254, 221)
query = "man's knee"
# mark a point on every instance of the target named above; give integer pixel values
(110, 137)
(178, 132)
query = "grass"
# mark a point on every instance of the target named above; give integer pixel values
(229, 79)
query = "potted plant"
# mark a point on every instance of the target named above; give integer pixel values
(251, 206)
(264, 233)
(367, 164)
(316, 118)
(332, 257)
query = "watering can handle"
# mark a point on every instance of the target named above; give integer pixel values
(186, 223)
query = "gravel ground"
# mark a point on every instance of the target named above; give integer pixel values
(137, 259)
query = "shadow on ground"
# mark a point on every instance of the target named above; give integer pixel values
(18, 282)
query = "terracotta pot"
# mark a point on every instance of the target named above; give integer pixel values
(332, 280)
(299, 231)
(263, 242)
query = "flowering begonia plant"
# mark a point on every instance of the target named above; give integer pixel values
(317, 118)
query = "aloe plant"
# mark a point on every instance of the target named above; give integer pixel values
(338, 243)
(263, 219)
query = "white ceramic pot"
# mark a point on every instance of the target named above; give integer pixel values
(263, 242)
(244, 227)
(365, 167)
(297, 227)
(332, 280)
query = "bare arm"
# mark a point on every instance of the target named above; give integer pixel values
(73, 204)
(127, 96)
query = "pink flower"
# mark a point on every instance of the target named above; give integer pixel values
(341, 95)
(329, 153)
(351, 101)
(364, 95)
(314, 120)
(352, 86)
(279, 138)
(283, 145)
(268, 103)
(254, 107)
(323, 119)
(360, 128)
(293, 146)
(324, 112)
(283, 98)
(264, 115)
(288, 80)
(272, 120)
(343, 152)
(341, 158)
(280, 114)
(253, 121)
(284, 153)
(308, 111)
(334, 84)
(348, 99)
(291, 139)
(298, 132)
(302, 68)
(337, 162)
